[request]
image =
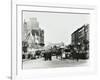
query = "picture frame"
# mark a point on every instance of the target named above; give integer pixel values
(16, 58)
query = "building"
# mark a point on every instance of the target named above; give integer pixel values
(80, 39)
(32, 33)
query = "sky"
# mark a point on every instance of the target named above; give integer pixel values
(58, 27)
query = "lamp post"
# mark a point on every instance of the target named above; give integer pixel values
(78, 46)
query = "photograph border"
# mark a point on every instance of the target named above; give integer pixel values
(17, 31)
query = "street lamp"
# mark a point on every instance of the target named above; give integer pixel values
(78, 46)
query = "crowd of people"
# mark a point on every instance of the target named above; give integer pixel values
(68, 52)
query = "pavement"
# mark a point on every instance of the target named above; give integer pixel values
(41, 63)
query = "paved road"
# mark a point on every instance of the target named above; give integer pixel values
(40, 63)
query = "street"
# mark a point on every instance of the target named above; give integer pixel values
(41, 63)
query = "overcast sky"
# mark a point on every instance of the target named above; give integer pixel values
(58, 27)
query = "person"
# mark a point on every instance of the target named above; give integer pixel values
(45, 56)
(49, 56)
(77, 55)
(73, 54)
(59, 53)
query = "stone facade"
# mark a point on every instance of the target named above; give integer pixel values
(80, 37)
(32, 33)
